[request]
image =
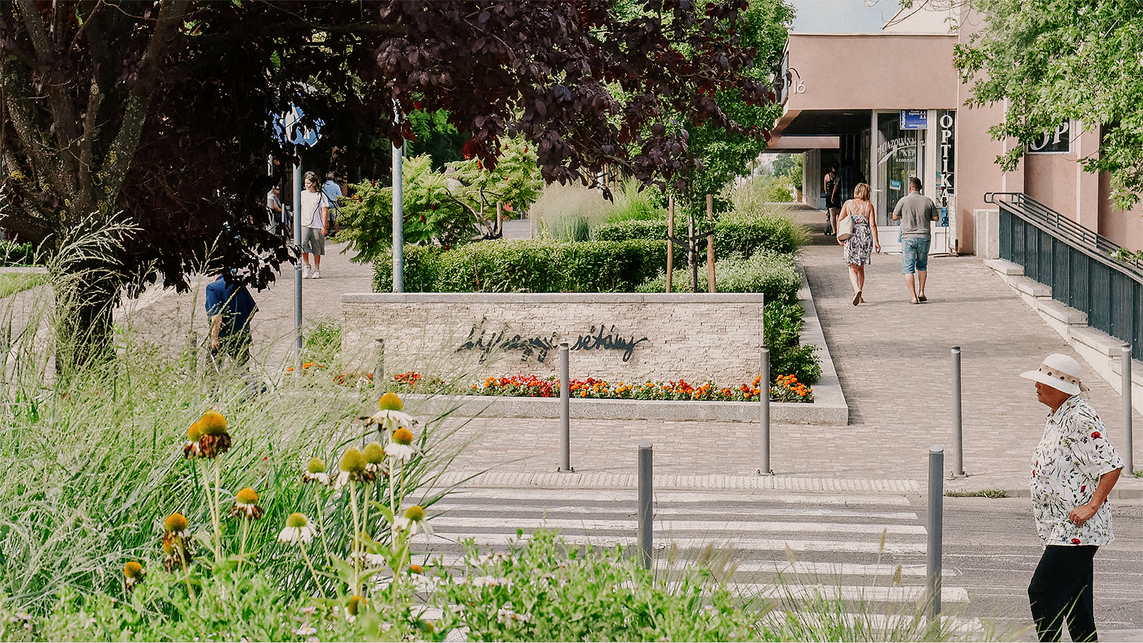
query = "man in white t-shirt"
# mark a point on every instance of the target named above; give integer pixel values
(314, 211)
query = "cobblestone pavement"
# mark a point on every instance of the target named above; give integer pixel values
(892, 357)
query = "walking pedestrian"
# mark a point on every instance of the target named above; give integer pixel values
(832, 185)
(229, 308)
(859, 247)
(915, 211)
(333, 190)
(1074, 469)
(314, 210)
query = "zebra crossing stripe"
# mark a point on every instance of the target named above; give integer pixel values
(446, 506)
(688, 497)
(445, 522)
(746, 544)
(873, 594)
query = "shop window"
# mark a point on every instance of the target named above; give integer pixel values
(1054, 141)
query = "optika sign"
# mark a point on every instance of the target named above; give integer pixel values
(947, 124)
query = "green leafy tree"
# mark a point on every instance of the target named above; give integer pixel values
(444, 208)
(1053, 60)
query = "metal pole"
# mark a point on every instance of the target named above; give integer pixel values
(670, 244)
(398, 222)
(710, 283)
(958, 434)
(298, 270)
(935, 522)
(379, 365)
(1126, 368)
(565, 411)
(764, 398)
(645, 516)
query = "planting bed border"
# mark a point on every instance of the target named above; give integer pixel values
(829, 406)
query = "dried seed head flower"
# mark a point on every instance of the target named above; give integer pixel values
(212, 423)
(191, 449)
(352, 467)
(374, 461)
(177, 526)
(246, 505)
(315, 472)
(390, 402)
(297, 530)
(400, 445)
(133, 573)
(176, 556)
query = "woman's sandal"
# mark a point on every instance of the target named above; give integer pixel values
(857, 298)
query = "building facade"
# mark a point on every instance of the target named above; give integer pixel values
(889, 105)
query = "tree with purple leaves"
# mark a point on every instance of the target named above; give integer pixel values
(156, 116)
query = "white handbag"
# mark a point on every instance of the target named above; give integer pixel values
(845, 227)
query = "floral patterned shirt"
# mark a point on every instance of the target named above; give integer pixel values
(1068, 463)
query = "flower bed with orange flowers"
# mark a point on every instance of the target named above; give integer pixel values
(785, 388)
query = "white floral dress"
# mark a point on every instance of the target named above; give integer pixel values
(1066, 467)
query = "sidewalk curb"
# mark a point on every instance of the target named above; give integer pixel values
(554, 480)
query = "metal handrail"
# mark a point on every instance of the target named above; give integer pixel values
(1072, 233)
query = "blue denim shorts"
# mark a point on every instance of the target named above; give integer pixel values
(914, 255)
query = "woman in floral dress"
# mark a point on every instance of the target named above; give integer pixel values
(860, 246)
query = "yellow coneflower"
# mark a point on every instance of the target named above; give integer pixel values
(297, 530)
(413, 519)
(191, 449)
(389, 415)
(133, 574)
(352, 467)
(246, 505)
(176, 556)
(315, 472)
(400, 446)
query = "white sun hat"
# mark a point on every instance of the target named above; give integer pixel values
(1059, 372)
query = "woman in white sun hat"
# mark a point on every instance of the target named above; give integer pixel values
(1074, 469)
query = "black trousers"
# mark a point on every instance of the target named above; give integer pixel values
(1061, 591)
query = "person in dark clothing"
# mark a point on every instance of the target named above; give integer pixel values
(229, 308)
(833, 199)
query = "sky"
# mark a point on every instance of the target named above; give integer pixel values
(842, 16)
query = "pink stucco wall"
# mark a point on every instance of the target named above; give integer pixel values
(873, 71)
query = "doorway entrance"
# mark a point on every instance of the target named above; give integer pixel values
(899, 154)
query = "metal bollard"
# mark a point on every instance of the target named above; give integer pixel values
(934, 527)
(379, 363)
(958, 433)
(646, 517)
(764, 398)
(1126, 372)
(565, 412)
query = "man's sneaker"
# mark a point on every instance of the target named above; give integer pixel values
(306, 272)
(316, 275)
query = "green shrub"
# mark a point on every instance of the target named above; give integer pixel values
(771, 274)
(734, 233)
(528, 266)
(782, 328)
(17, 254)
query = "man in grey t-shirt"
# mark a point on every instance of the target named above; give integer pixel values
(915, 211)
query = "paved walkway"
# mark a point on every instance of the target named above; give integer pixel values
(892, 358)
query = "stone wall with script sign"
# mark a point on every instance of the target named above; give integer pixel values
(618, 337)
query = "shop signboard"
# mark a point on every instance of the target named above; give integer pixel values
(1053, 141)
(914, 119)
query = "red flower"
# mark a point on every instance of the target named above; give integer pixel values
(1095, 434)
(1075, 541)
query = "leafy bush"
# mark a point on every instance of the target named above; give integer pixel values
(773, 275)
(782, 326)
(544, 590)
(741, 233)
(17, 254)
(528, 266)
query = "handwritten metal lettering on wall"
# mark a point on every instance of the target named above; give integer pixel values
(600, 337)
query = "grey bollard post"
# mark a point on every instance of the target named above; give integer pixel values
(764, 398)
(646, 517)
(379, 362)
(565, 411)
(935, 527)
(958, 433)
(1128, 461)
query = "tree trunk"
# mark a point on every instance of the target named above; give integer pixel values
(86, 294)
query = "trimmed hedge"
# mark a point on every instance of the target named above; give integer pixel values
(732, 235)
(527, 266)
(774, 275)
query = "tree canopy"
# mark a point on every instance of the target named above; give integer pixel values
(158, 112)
(1054, 60)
